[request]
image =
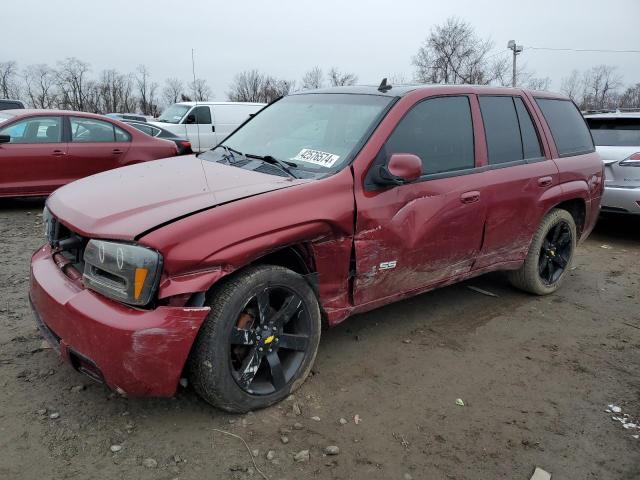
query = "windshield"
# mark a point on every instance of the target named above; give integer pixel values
(174, 113)
(316, 132)
(617, 132)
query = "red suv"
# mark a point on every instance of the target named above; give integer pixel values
(40, 150)
(223, 267)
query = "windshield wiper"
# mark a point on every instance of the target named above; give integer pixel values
(283, 164)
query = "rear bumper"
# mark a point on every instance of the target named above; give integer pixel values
(133, 351)
(622, 200)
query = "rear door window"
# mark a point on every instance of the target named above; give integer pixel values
(509, 130)
(501, 129)
(35, 130)
(87, 130)
(569, 130)
(440, 132)
(615, 132)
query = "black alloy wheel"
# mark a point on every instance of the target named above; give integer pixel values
(555, 253)
(269, 340)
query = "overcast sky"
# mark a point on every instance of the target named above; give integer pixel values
(285, 38)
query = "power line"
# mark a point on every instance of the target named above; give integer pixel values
(582, 50)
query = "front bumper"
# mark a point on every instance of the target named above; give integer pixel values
(134, 351)
(623, 200)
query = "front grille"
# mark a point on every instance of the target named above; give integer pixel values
(66, 242)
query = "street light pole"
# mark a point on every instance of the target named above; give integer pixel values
(516, 49)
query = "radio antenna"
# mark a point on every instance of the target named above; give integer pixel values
(195, 94)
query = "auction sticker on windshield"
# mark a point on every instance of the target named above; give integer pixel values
(317, 157)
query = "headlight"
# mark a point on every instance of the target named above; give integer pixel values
(124, 272)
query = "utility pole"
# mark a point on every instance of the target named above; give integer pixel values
(516, 49)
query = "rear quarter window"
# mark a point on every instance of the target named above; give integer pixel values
(569, 130)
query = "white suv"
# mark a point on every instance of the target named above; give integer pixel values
(617, 138)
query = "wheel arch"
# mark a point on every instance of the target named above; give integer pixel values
(577, 207)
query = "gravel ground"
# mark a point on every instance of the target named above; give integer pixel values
(535, 375)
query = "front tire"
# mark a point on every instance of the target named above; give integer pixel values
(259, 341)
(550, 255)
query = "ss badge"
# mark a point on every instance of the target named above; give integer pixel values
(387, 265)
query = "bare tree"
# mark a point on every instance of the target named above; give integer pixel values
(253, 86)
(116, 92)
(399, 79)
(631, 97)
(573, 87)
(538, 83)
(200, 90)
(339, 79)
(594, 89)
(172, 91)
(601, 85)
(147, 92)
(454, 54)
(313, 79)
(40, 86)
(9, 85)
(246, 87)
(71, 80)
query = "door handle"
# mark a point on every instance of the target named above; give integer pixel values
(58, 153)
(470, 197)
(545, 181)
(116, 151)
(213, 128)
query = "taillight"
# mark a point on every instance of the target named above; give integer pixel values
(631, 160)
(185, 144)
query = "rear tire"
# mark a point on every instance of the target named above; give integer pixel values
(259, 341)
(550, 255)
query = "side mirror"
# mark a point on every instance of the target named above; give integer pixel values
(402, 168)
(191, 118)
(5, 138)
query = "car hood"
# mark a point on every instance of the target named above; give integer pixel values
(125, 202)
(610, 154)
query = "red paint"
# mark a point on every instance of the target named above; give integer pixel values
(214, 219)
(39, 168)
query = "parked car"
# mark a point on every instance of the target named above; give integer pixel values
(6, 104)
(617, 138)
(41, 150)
(127, 116)
(205, 124)
(184, 146)
(223, 267)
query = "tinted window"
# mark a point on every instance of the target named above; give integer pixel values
(440, 132)
(530, 142)
(35, 130)
(501, 129)
(619, 132)
(570, 133)
(203, 115)
(90, 130)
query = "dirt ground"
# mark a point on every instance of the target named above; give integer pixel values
(535, 374)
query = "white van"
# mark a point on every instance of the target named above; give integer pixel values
(205, 124)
